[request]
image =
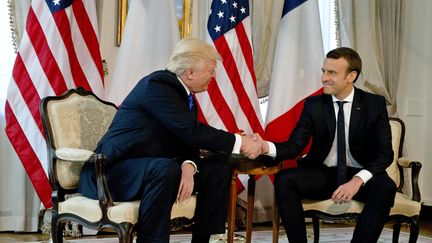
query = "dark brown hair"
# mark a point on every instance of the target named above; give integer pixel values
(351, 56)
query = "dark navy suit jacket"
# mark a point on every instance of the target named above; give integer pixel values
(154, 120)
(369, 132)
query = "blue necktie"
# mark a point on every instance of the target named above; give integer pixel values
(190, 101)
(341, 146)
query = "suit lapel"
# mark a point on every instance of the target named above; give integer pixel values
(355, 112)
(329, 114)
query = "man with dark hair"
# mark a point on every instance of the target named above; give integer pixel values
(351, 148)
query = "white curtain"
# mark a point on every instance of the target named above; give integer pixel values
(266, 17)
(375, 29)
(19, 204)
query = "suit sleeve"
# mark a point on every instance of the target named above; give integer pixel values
(382, 141)
(165, 103)
(299, 137)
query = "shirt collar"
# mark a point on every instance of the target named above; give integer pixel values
(184, 86)
(348, 99)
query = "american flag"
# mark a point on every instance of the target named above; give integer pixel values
(231, 101)
(59, 51)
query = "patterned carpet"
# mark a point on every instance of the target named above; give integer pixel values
(333, 235)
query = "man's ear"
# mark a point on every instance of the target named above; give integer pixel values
(352, 75)
(189, 73)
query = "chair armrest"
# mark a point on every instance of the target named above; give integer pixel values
(407, 163)
(82, 155)
(105, 199)
(415, 171)
(73, 154)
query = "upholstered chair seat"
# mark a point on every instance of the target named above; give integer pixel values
(89, 209)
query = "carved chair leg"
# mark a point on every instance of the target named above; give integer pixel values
(414, 231)
(396, 232)
(250, 207)
(232, 208)
(126, 233)
(57, 229)
(316, 229)
(276, 219)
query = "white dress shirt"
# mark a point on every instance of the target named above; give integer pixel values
(331, 159)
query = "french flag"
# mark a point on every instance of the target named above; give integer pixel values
(296, 69)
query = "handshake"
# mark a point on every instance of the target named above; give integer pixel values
(253, 145)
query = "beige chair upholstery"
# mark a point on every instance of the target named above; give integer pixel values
(74, 123)
(406, 209)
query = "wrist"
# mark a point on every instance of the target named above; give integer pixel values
(265, 147)
(189, 166)
(358, 180)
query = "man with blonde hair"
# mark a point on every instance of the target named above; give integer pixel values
(153, 147)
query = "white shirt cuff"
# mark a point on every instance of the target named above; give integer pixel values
(364, 175)
(192, 163)
(237, 144)
(272, 149)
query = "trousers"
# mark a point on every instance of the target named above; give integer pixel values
(293, 185)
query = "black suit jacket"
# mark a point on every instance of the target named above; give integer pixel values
(369, 132)
(154, 120)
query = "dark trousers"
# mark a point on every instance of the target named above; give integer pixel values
(155, 181)
(158, 192)
(212, 184)
(293, 185)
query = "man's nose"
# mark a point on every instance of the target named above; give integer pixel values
(324, 77)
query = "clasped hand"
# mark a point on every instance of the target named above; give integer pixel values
(253, 145)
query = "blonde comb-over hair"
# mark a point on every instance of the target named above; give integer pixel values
(191, 53)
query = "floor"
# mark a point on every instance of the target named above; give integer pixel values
(425, 230)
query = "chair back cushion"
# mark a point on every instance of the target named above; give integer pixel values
(76, 121)
(397, 133)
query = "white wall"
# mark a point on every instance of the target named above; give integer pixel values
(414, 101)
(109, 36)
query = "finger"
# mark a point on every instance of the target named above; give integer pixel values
(334, 195)
(185, 194)
(180, 190)
(180, 196)
(188, 194)
(337, 194)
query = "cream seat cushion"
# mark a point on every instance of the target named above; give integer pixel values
(121, 211)
(403, 206)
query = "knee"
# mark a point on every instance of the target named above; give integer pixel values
(384, 182)
(384, 185)
(167, 169)
(283, 179)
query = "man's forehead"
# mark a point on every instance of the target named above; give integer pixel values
(331, 63)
